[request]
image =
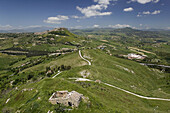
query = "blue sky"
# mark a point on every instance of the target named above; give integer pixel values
(141, 14)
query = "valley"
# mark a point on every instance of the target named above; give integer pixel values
(90, 62)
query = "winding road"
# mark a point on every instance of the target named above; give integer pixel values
(154, 65)
(140, 96)
(57, 74)
(84, 58)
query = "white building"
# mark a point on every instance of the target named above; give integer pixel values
(135, 56)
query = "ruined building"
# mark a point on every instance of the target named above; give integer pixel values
(66, 98)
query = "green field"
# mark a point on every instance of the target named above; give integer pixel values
(22, 72)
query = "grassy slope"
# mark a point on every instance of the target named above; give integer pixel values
(102, 98)
(144, 79)
(71, 59)
(6, 60)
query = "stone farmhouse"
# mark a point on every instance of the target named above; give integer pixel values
(66, 98)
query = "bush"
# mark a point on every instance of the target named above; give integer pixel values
(7, 110)
(30, 76)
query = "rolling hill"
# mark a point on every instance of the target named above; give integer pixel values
(26, 83)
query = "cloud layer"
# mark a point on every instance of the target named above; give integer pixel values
(119, 26)
(5, 27)
(96, 26)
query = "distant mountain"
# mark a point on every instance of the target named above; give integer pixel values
(25, 30)
(45, 28)
(125, 30)
(96, 31)
(153, 29)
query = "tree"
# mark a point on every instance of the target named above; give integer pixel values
(68, 67)
(30, 76)
(48, 68)
(7, 110)
(62, 68)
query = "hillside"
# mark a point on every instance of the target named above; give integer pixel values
(157, 42)
(27, 82)
(48, 41)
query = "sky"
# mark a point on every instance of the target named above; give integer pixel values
(139, 14)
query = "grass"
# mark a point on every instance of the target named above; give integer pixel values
(50, 48)
(7, 60)
(104, 68)
(71, 59)
(102, 98)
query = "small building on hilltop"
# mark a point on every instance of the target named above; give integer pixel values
(66, 98)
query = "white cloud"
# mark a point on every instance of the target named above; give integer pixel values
(128, 9)
(74, 16)
(77, 17)
(96, 26)
(156, 12)
(156, 1)
(95, 10)
(103, 2)
(144, 1)
(148, 13)
(33, 26)
(139, 15)
(119, 26)
(5, 27)
(151, 13)
(56, 20)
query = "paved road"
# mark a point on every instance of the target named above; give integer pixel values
(57, 74)
(148, 98)
(84, 58)
(140, 96)
(155, 65)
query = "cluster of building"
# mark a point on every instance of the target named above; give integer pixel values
(46, 32)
